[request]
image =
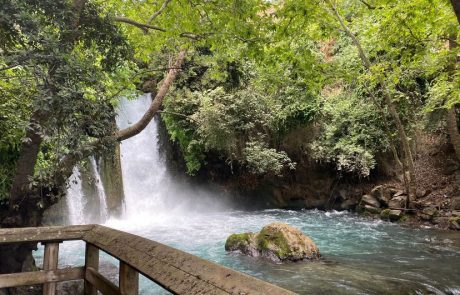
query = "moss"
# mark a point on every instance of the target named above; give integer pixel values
(404, 218)
(234, 241)
(273, 241)
(385, 214)
(454, 219)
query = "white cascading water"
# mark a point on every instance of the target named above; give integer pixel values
(146, 181)
(103, 212)
(77, 201)
(152, 194)
(74, 198)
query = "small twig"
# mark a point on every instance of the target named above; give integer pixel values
(144, 27)
(157, 13)
(177, 114)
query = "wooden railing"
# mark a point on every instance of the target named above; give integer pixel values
(172, 269)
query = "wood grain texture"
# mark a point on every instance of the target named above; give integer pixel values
(129, 280)
(40, 277)
(175, 270)
(91, 261)
(43, 234)
(100, 282)
(50, 262)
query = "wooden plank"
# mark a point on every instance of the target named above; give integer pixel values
(129, 280)
(175, 270)
(50, 262)
(100, 282)
(91, 260)
(43, 234)
(41, 277)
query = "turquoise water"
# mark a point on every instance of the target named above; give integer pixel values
(360, 256)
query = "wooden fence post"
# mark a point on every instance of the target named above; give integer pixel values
(91, 260)
(129, 280)
(50, 262)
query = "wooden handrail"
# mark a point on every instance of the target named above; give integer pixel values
(172, 269)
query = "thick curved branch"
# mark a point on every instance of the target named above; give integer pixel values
(68, 162)
(156, 102)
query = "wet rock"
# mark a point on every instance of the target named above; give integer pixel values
(372, 210)
(370, 200)
(428, 213)
(454, 223)
(349, 204)
(277, 242)
(392, 215)
(382, 194)
(397, 202)
(441, 221)
(244, 243)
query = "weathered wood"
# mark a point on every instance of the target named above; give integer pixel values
(40, 277)
(43, 234)
(100, 282)
(50, 262)
(91, 260)
(175, 270)
(129, 280)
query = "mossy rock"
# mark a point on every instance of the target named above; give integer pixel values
(236, 241)
(454, 223)
(385, 214)
(277, 242)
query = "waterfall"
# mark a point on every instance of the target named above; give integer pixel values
(152, 193)
(145, 177)
(75, 198)
(103, 214)
(86, 199)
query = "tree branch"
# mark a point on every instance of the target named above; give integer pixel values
(68, 162)
(152, 18)
(156, 102)
(143, 27)
(367, 4)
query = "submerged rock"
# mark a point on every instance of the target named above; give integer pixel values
(371, 209)
(392, 215)
(277, 242)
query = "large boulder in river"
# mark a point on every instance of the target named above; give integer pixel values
(277, 242)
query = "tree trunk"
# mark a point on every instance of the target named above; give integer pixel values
(451, 115)
(452, 129)
(456, 7)
(408, 163)
(25, 166)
